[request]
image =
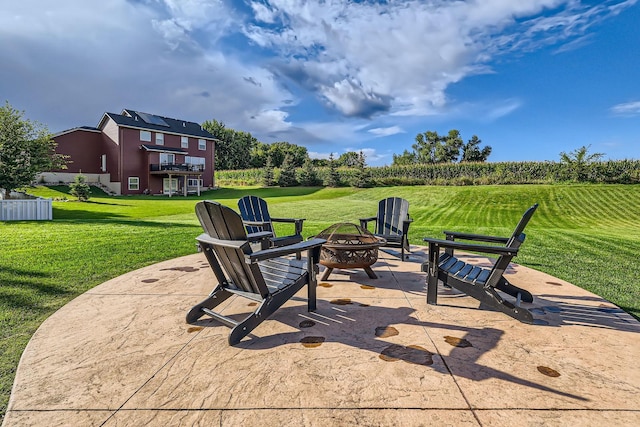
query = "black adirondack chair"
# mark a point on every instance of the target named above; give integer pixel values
(480, 283)
(392, 223)
(256, 218)
(264, 276)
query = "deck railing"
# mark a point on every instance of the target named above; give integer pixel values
(183, 167)
(25, 209)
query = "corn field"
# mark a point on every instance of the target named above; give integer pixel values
(610, 172)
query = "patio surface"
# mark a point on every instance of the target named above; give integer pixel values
(374, 353)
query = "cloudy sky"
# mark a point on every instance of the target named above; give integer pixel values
(531, 78)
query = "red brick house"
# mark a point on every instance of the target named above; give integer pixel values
(139, 153)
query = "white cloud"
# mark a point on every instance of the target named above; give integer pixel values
(392, 130)
(66, 62)
(270, 121)
(627, 109)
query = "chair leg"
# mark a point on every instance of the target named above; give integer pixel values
(432, 276)
(218, 295)
(245, 327)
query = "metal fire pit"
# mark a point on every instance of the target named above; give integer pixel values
(349, 246)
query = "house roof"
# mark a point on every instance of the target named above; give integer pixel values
(79, 128)
(140, 120)
(163, 149)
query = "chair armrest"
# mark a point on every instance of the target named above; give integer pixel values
(256, 223)
(287, 219)
(258, 236)
(297, 221)
(472, 247)
(284, 250)
(234, 244)
(476, 237)
(364, 221)
(405, 225)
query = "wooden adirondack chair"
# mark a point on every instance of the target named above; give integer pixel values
(480, 283)
(263, 276)
(392, 223)
(256, 218)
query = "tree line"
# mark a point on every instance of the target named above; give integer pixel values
(240, 150)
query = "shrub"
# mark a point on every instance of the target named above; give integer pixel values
(80, 188)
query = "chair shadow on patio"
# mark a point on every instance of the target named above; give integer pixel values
(367, 327)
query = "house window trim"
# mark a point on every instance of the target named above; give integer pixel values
(143, 135)
(202, 143)
(159, 138)
(184, 142)
(131, 185)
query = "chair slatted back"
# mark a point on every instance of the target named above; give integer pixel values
(221, 222)
(253, 208)
(391, 213)
(518, 235)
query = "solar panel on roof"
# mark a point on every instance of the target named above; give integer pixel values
(153, 120)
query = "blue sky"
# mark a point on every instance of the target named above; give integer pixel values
(531, 78)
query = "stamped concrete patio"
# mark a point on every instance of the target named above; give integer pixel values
(374, 353)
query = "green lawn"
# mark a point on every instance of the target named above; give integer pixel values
(586, 234)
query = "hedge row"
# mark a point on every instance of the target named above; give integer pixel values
(612, 171)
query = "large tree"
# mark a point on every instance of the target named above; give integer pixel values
(433, 148)
(472, 153)
(233, 148)
(349, 159)
(26, 149)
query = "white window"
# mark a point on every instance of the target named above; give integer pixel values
(193, 182)
(196, 163)
(145, 135)
(159, 138)
(184, 141)
(167, 158)
(103, 163)
(202, 144)
(134, 183)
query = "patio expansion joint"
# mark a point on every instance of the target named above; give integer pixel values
(167, 362)
(444, 362)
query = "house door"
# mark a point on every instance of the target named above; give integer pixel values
(170, 185)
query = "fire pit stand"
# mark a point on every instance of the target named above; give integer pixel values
(349, 246)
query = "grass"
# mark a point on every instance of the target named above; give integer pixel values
(585, 234)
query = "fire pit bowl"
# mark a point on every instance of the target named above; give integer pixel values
(349, 246)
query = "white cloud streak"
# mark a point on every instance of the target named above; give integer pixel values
(627, 109)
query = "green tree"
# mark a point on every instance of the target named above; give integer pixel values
(406, 158)
(472, 153)
(333, 178)
(433, 148)
(287, 173)
(350, 159)
(426, 146)
(320, 163)
(580, 156)
(259, 155)
(448, 150)
(578, 161)
(279, 150)
(80, 188)
(26, 149)
(308, 174)
(363, 175)
(233, 148)
(268, 176)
